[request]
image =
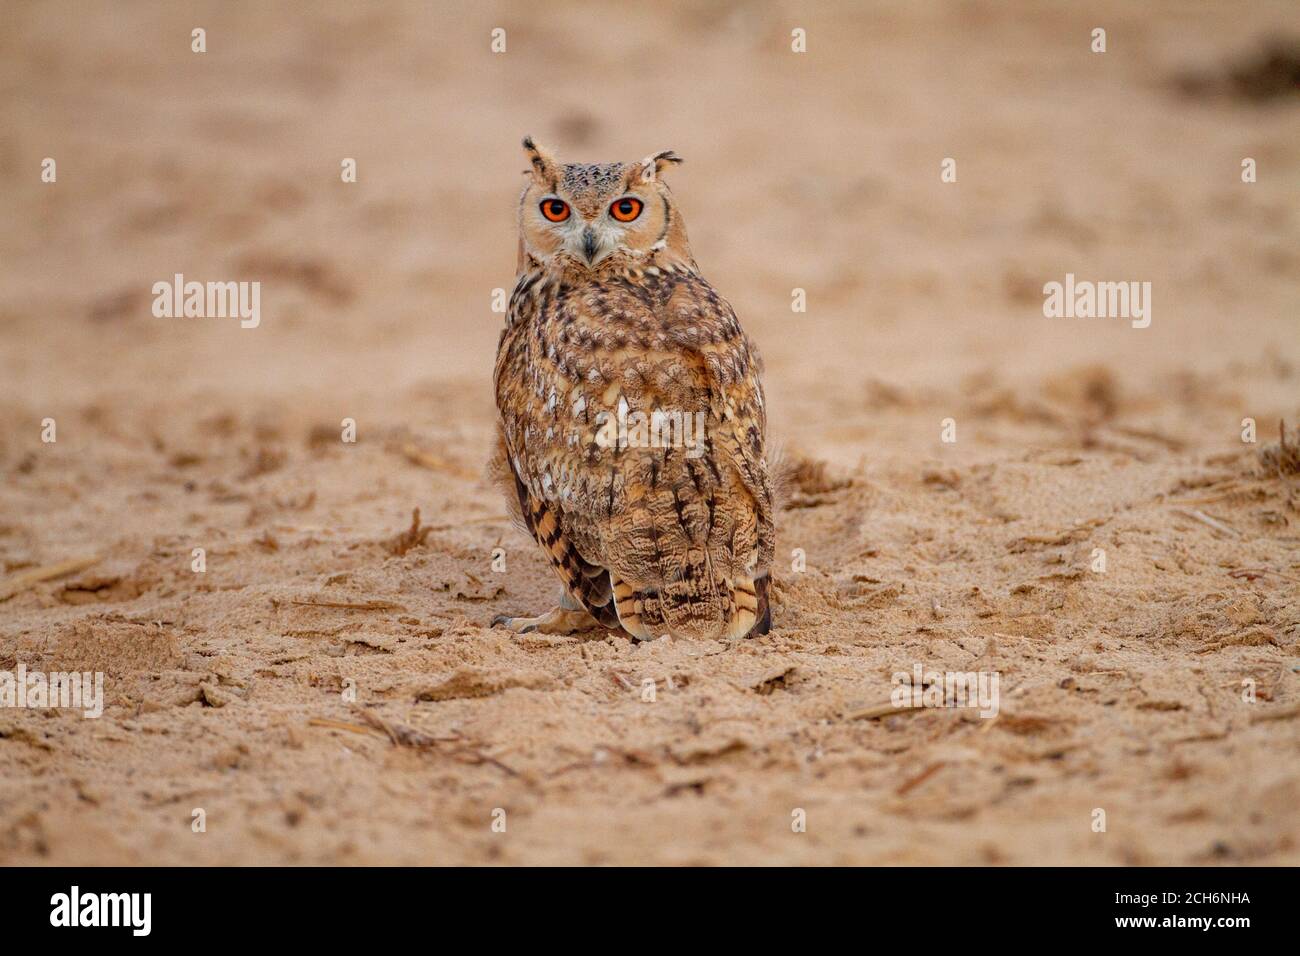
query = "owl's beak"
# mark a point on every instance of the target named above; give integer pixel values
(589, 245)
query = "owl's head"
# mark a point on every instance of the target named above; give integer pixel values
(588, 212)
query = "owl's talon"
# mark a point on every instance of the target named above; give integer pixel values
(520, 625)
(558, 620)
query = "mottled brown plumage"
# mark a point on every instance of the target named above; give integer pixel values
(632, 418)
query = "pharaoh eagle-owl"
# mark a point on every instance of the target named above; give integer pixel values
(632, 418)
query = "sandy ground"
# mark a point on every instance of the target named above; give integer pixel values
(1122, 690)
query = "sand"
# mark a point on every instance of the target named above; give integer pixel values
(328, 690)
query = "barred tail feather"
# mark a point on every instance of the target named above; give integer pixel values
(745, 611)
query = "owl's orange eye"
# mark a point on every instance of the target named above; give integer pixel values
(625, 209)
(556, 210)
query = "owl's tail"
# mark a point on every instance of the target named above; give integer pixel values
(732, 610)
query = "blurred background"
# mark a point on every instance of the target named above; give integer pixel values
(817, 171)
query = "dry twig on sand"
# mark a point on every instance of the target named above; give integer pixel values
(417, 456)
(1213, 523)
(415, 536)
(340, 725)
(1278, 713)
(920, 778)
(626, 684)
(348, 605)
(876, 711)
(1250, 574)
(20, 582)
(400, 735)
(1232, 488)
(412, 537)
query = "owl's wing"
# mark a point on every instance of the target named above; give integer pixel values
(585, 582)
(705, 529)
(520, 369)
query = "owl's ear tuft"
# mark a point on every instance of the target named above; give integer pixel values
(653, 166)
(542, 162)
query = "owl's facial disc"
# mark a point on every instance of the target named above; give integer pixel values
(592, 238)
(586, 213)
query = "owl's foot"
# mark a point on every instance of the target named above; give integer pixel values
(558, 620)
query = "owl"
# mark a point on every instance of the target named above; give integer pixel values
(632, 423)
